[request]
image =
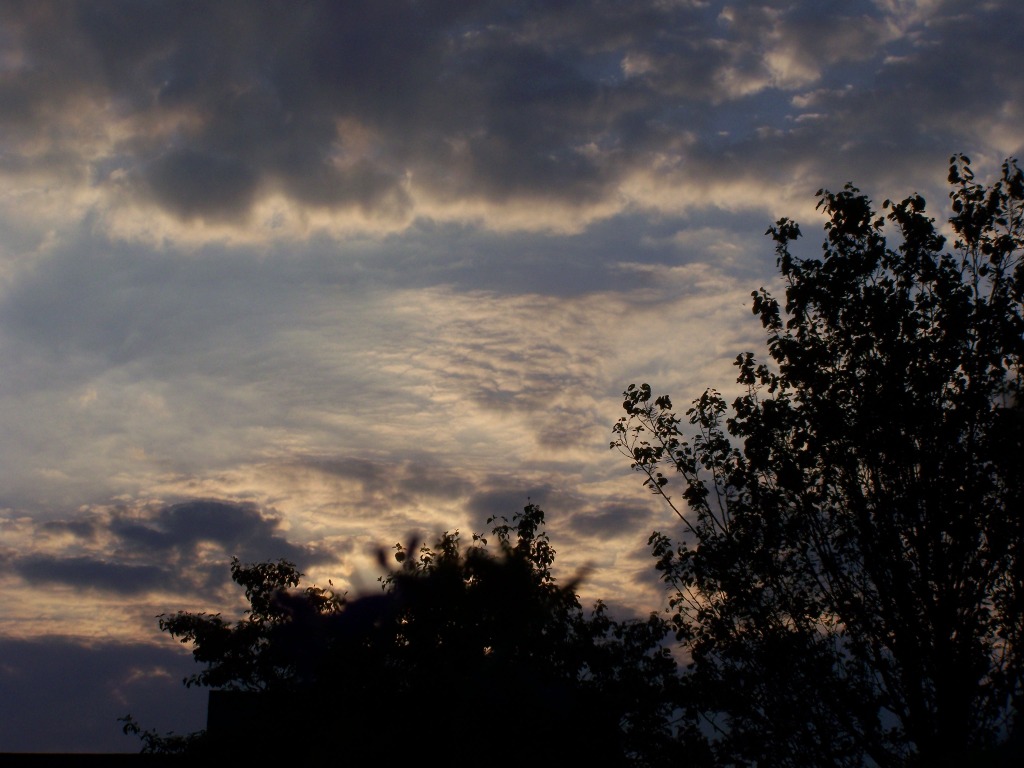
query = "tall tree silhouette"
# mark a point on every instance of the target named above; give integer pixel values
(849, 575)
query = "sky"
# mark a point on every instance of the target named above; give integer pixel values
(304, 279)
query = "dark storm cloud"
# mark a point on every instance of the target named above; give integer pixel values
(960, 102)
(88, 572)
(146, 549)
(330, 103)
(81, 529)
(242, 529)
(844, 124)
(196, 183)
(340, 105)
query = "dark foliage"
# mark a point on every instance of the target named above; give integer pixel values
(849, 579)
(476, 650)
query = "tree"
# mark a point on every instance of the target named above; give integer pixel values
(849, 579)
(244, 655)
(464, 645)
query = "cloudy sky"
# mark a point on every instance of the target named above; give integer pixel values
(297, 279)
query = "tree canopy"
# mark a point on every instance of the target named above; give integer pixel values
(849, 576)
(476, 647)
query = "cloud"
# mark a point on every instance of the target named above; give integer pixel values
(610, 520)
(240, 528)
(274, 120)
(202, 184)
(138, 550)
(86, 572)
(504, 502)
(414, 477)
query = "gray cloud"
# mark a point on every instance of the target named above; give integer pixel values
(86, 530)
(610, 520)
(86, 572)
(242, 529)
(195, 183)
(399, 483)
(505, 502)
(339, 106)
(138, 550)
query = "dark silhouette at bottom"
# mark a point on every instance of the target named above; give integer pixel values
(466, 655)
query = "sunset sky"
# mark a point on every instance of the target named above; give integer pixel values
(300, 279)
